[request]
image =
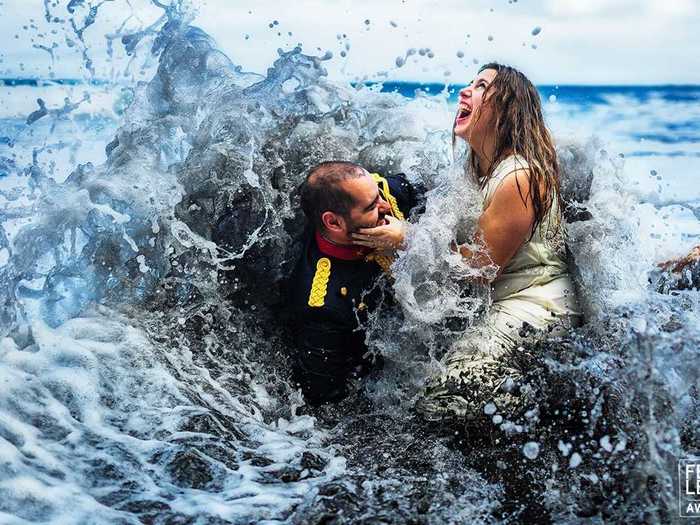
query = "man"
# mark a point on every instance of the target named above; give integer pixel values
(336, 281)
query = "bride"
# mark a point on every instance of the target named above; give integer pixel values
(514, 163)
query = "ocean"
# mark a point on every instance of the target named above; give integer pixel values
(137, 387)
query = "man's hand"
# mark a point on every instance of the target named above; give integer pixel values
(388, 236)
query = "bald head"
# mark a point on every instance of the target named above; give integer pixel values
(323, 190)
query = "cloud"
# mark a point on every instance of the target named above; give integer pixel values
(592, 41)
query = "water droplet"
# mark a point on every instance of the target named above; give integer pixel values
(575, 460)
(400, 61)
(489, 409)
(536, 31)
(460, 54)
(564, 448)
(552, 98)
(367, 22)
(531, 449)
(490, 38)
(620, 445)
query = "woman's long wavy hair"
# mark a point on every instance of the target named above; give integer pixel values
(520, 129)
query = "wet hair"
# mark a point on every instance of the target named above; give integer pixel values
(322, 190)
(520, 130)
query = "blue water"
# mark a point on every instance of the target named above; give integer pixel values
(572, 94)
(664, 114)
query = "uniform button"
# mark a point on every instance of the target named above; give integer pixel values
(343, 291)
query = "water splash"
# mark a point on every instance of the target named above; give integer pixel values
(145, 372)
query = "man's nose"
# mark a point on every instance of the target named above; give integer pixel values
(383, 206)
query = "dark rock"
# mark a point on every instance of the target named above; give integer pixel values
(190, 469)
(312, 461)
(285, 475)
(256, 460)
(143, 506)
(213, 424)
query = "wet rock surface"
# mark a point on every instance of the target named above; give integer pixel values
(398, 471)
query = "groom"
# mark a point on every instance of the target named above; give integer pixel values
(337, 281)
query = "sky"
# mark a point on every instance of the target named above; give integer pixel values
(576, 41)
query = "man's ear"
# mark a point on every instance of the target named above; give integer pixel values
(332, 221)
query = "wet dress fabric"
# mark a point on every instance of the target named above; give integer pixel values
(535, 286)
(534, 291)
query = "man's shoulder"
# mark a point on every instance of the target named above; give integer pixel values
(321, 282)
(396, 189)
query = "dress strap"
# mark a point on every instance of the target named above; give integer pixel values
(505, 167)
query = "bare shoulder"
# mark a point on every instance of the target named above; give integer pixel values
(513, 188)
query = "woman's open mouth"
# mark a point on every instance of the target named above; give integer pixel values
(463, 115)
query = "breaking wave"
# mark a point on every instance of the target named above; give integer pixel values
(144, 370)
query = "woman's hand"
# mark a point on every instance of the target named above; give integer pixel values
(389, 236)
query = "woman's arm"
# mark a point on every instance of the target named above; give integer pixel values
(505, 224)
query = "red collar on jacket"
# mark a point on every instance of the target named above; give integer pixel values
(340, 251)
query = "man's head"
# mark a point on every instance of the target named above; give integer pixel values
(339, 198)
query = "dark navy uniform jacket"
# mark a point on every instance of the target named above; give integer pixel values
(333, 288)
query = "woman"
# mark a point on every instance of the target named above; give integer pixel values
(513, 160)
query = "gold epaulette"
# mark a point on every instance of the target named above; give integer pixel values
(319, 285)
(384, 261)
(384, 186)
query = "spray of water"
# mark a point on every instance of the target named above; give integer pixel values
(143, 362)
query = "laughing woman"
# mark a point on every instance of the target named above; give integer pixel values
(514, 162)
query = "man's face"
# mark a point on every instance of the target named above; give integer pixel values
(369, 208)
